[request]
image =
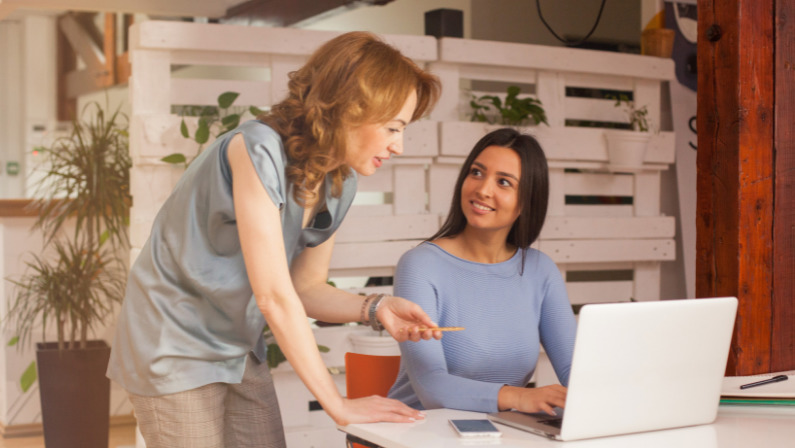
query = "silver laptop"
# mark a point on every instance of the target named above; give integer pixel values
(640, 366)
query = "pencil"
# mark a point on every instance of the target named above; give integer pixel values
(442, 328)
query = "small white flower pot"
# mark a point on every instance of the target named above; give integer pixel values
(371, 343)
(626, 148)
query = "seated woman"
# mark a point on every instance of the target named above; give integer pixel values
(480, 273)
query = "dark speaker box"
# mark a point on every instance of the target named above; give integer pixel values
(444, 23)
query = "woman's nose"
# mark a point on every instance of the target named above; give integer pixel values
(396, 147)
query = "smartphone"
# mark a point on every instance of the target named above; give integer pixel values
(475, 428)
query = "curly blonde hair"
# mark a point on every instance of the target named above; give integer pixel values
(351, 80)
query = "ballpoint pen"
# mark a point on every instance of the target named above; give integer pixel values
(775, 379)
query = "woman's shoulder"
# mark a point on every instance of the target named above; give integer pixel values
(540, 260)
(424, 254)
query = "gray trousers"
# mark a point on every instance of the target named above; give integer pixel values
(217, 415)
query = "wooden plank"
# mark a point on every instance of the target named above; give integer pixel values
(409, 193)
(734, 247)
(66, 62)
(607, 251)
(226, 58)
(206, 91)
(647, 94)
(591, 109)
(502, 74)
(369, 210)
(281, 66)
(557, 192)
(647, 281)
(421, 139)
(441, 186)
(612, 82)
(598, 184)
(285, 41)
(581, 293)
(543, 57)
(17, 208)
(557, 227)
(456, 139)
(362, 228)
(91, 55)
(551, 91)
(369, 255)
(600, 210)
(447, 108)
(158, 135)
(783, 330)
(647, 194)
(381, 180)
(170, 8)
(150, 91)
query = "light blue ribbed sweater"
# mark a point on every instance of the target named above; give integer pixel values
(507, 314)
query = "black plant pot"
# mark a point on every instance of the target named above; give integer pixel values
(75, 395)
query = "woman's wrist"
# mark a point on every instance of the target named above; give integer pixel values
(375, 323)
(364, 312)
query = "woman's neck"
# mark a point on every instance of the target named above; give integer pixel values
(478, 246)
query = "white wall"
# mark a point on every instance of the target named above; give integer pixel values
(518, 20)
(398, 17)
(11, 105)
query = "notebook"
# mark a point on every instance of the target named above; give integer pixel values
(641, 366)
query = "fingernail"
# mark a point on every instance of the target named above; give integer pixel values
(412, 419)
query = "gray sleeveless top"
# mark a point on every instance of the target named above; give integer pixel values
(189, 317)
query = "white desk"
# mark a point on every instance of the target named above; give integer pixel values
(735, 427)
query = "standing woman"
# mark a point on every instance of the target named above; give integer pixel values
(246, 238)
(480, 273)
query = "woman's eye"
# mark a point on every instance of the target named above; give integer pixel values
(505, 183)
(394, 130)
(474, 172)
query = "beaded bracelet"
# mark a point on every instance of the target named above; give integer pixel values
(362, 314)
(374, 322)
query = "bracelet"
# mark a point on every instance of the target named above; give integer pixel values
(374, 323)
(362, 315)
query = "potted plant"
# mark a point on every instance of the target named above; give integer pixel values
(514, 111)
(75, 282)
(627, 148)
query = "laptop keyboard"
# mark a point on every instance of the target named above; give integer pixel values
(554, 422)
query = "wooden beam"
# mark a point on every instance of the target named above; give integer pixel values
(66, 62)
(734, 223)
(173, 8)
(282, 13)
(783, 350)
(84, 46)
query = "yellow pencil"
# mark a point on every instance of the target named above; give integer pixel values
(442, 328)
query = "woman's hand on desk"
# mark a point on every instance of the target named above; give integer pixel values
(376, 409)
(537, 399)
(404, 320)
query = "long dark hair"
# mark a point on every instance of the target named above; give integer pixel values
(533, 188)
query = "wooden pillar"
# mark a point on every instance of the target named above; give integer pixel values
(745, 175)
(783, 332)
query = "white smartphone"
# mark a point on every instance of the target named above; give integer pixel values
(475, 428)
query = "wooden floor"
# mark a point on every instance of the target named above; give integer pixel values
(120, 436)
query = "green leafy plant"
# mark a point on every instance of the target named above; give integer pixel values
(275, 354)
(638, 117)
(514, 111)
(214, 121)
(78, 278)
